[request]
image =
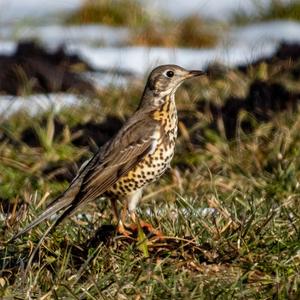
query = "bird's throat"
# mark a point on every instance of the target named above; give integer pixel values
(166, 113)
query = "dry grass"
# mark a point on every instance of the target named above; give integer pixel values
(147, 29)
(191, 32)
(114, 13)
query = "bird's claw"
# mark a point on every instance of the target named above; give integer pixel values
(147, 228)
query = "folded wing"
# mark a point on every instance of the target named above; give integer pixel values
(114, 160)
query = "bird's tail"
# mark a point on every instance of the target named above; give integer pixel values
(63, 202)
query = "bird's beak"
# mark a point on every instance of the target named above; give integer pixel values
(195, 73)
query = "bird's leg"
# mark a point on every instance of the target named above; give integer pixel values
(133, 217)
(116, 216)
(138, 224)
(132, 201)
(122, 220)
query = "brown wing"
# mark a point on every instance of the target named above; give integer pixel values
(113, 160)
(132, 143)
(121, 158)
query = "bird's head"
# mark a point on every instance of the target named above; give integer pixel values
(166, 79)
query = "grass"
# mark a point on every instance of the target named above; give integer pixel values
(145, 28)
(276, 10)
(229, 208)
(190, 32)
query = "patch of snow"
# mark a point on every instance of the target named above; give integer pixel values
(141, 59)
(202, 212)
(54, 35)
(101, 35)
(14, 11)
(101, 79)
(266, 32)
(7, 47)
(36, 104)
(239, 46)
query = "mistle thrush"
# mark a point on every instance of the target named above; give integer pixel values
(136, 156)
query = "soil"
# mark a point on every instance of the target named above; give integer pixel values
(33, 69)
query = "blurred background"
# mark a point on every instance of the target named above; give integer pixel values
(83, 45)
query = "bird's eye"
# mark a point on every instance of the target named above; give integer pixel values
(170, 74)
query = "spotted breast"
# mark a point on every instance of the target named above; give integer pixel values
(153, 165)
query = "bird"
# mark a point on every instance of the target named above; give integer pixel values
(136, 156)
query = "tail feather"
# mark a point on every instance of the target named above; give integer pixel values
(62, 202)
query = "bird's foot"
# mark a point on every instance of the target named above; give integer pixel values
(147, 228)
(121, 229)
(131, 230)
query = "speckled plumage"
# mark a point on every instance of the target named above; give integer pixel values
(138, 155)
(153, 164)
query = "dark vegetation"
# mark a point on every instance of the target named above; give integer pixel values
(229, 207)
(32, 69)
